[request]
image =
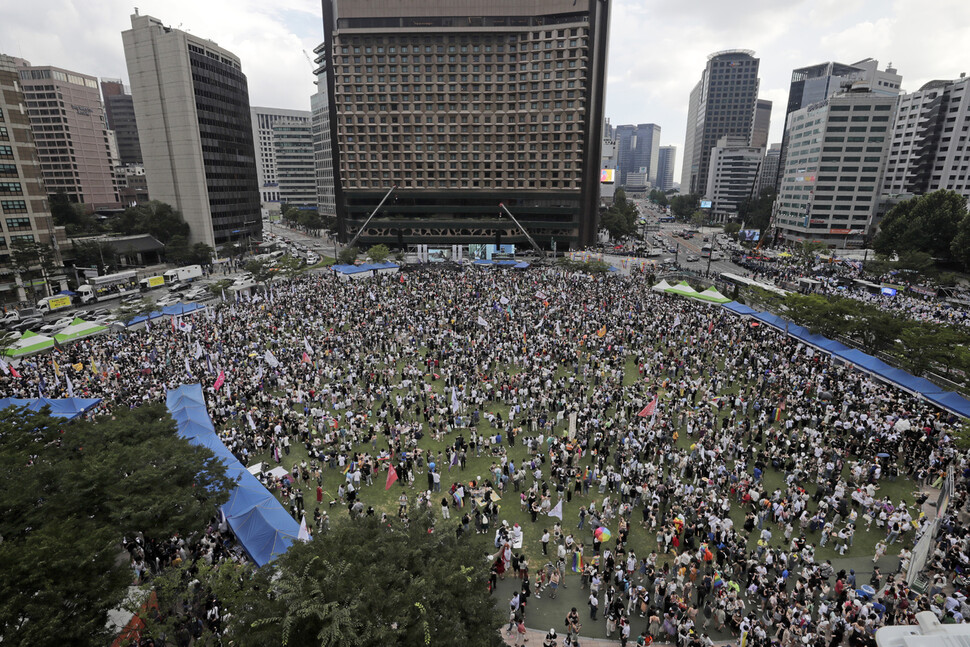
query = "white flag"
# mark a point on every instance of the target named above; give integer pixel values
(270, 358)
(482, 322)
(70, 385)
(252, 425)
(223, 295)
(198, 350)
(304, 531)
(676, 321)
(504, 301)
(4, 367)
(306, 346)
(455, 405)
(259, 374)
(187, 369)
(556, 511)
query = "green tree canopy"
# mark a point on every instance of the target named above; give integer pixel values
(156, 218)
(658, 197)
(755, 213)
(347, 255)
(682, 206)
(620, 219)
(927, 223)
(69, 493)
(387, 585)
(379, 253)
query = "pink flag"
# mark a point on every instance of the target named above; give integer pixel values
(219, 380)
(391, 477)
(306, 358)
(649, 410)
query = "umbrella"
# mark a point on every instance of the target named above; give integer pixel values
(882, 455)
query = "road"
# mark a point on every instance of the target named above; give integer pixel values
(692, 246)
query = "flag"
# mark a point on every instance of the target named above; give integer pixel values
(208, 363)
(306, 358)
(391, 477)
(304, 531)
(78, 367)
(650, 409)
(70, 386)
(710, 327)
(306, 347)
(223, 295)
(402, 278)
(187, 369)
(556, 511)
(504, 301)
(41, 386)
(455, 405)
(778, 411)
(482, 322)
(601, 332)
(219, 380)
(270, 358)
(249, 419)
(259, 374)
(577, 562)
(276, 453)
(57, 369)
(454, 459)
(94, 367)
(198, 350)
(676, 321)
(4, 367)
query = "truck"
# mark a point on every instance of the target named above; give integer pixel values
(151, 282)
(110, 286)
(56, 302)
(654, 251)
(186, 273)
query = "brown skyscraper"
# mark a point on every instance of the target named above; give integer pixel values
(466, 105)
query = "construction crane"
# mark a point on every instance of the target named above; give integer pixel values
(542, 254)
(372, 213)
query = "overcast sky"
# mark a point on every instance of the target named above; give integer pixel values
(657, 47)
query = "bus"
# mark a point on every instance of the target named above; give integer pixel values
(112, 286)
(705, 251)
(665, 219)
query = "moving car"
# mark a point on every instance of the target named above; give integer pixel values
(56, 326)
(691, 258)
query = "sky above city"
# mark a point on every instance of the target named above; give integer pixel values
(658, 48)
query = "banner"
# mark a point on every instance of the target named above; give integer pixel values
(219, 380)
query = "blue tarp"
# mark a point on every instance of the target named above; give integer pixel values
(168, 311)
(263, 527)
(951, 402)
(739, 308)
(69, 408)
(773, 320)
(521, 265)
(366, 267)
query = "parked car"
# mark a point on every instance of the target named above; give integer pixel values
(131, 298)
(167, 300)
(692, 258)
(56, 326)
(196, 293)
(100, 312)
(28, 323)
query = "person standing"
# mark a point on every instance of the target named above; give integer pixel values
(594, 604)
(545, 541)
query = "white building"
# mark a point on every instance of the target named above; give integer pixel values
(267, 171)
(831, 182)
(322, 147)
(929, 150)
(608, 163)
(732, 176)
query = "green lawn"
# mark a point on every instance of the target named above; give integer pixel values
(641, 541)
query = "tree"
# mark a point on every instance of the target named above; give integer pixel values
(960, 247)
(347, 255)
(659, 197)
(69, 494)
(732, 228)
(331, 591)
(289, 266)
(262, 270)
(156, 218)
(682, 206)
(620, 219)
(379, 253)
(755, 213)
(30, 258)
(698, 218)
(94, 253)
(809, 248)
(927, 223)
(72, 216)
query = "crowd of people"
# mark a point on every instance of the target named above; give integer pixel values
(593, 397)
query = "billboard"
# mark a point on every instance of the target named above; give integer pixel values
(59, 302)
(155, 281)
(888, 292)
(749, 235)
(607, 175)
(840, 231)
(706, 204)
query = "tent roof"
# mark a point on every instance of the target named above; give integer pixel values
(79, 328)
(682, 288)
(663, 286)
(738, 308)
(712, 295)
(366, 267)
(29, 342)
(69, 408)
(951, 401)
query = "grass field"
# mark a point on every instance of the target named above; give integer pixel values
(641, 541)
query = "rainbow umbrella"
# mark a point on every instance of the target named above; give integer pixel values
(602, 534)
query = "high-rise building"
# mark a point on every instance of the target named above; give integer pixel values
(295, 169)
(646, 151)
(732, 176)
(722, 104)
(464, 107)
(23, 198)
(67, 122)
(768, 174)
(322, 146)
(928, 150)
(624, 138)
(666, 158)
(762, 124)
(264, 120)
(119, 113)
(192, 105)
(833, 174)
(817, 83)
(608, 163)
(607, 130)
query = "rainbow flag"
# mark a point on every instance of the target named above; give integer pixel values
(577, 562)
(718, 582)
(778, 414)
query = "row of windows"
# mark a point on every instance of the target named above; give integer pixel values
(11, 188)
(18, 224)
(13, 206)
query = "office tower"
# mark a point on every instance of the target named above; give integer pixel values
(768, 174)
(322, 146)
(264, 120)
(295, 170)
(722, 104)
(608, 180)
(666, 158)
(831, 195)
(607, 130)
(646, 151)
(23, 198)
(119, 113)
(817, 83)
(67, 122)
(624, 138)
(732, 176)
(192, 106)
(464, 107)
(762, 124)
(928, 140)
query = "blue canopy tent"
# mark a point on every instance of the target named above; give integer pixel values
(780, 323)
(68, 408)
(818, 341)
(952, 402)
(915, 385)
(260, 522)
(739, 309)
(521, 265)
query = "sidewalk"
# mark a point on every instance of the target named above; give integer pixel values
(534, 638)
